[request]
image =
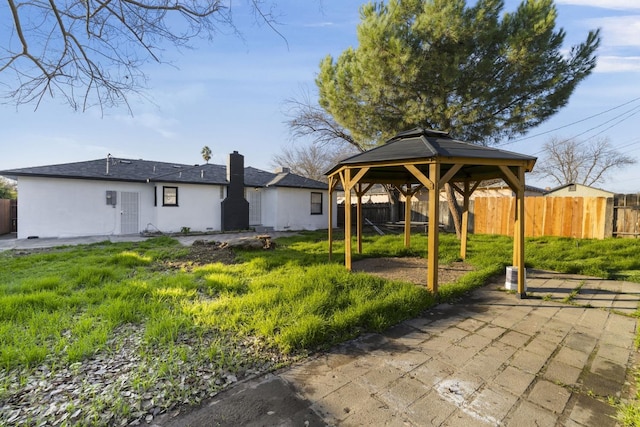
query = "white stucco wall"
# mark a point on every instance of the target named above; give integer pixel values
(52, 207)
(55, 207)
(198, 208)
(290, 209)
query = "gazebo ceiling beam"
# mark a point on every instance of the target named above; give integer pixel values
(342, 179)
(410, 191)
(511, 179)
(358, 176)
(333, 183)
(462, 192)
(424, 180)
(449, 175)
(362, 191)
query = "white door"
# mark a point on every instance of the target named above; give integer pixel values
(255, 208)
(129, 213)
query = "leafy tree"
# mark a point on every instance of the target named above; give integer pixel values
(311, 160)
(206, 153)
(91, 52)
(570, 161)
(8, 189)
(475, 71)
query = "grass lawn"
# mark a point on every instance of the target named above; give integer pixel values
(196, 326)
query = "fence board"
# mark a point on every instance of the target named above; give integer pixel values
(576, 219)
(557, 214)
(14, 216)
(626, 215)
(5, 216)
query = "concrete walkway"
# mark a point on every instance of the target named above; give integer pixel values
(9, 241)
(556, 358)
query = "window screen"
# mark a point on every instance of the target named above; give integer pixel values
(316, 203)
(169, 196)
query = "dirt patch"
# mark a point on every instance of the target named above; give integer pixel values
(412, 270)
(201, 253)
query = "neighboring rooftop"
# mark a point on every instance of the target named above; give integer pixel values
(499, 183)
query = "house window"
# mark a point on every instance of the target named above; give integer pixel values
(316, 203)
(572, 187)
(169, 196)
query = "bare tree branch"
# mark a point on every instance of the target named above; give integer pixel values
(91, 52)
(570, 161)
(311, 160)
(309, 120)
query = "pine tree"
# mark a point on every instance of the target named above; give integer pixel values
(479, 73)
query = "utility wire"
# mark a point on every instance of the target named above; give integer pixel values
(570, 124)
(630, 113)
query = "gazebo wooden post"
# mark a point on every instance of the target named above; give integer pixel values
(407, 216)
(359, 216)
(519, 230)
(434, 221)
(465, 221)
(330, 219)
(466, 194)
(347, 218)
(516, 182)
(332, 186)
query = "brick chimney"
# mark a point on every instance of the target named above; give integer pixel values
(235, 209)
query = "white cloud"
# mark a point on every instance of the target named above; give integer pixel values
(605, 4)
(155, 122)
(618, 64)
(619, 31)
(319, 24)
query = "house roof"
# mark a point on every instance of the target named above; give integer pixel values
(117, 169)
(499, 183)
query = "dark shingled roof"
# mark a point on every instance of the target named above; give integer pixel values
(258, 178)
(150, 171)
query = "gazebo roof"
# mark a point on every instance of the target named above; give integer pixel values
(423, 146)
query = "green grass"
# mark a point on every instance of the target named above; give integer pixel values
(64, 305)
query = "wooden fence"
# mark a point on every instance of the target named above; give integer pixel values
(5, 216)
(626, 215)
(579, 217)
(380, 213)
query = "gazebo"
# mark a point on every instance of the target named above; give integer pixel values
(423, 158)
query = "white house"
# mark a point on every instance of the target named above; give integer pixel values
(113, 196)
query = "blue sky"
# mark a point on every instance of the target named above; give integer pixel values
(229, 94)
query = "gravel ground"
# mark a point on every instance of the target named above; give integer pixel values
(120, 387)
